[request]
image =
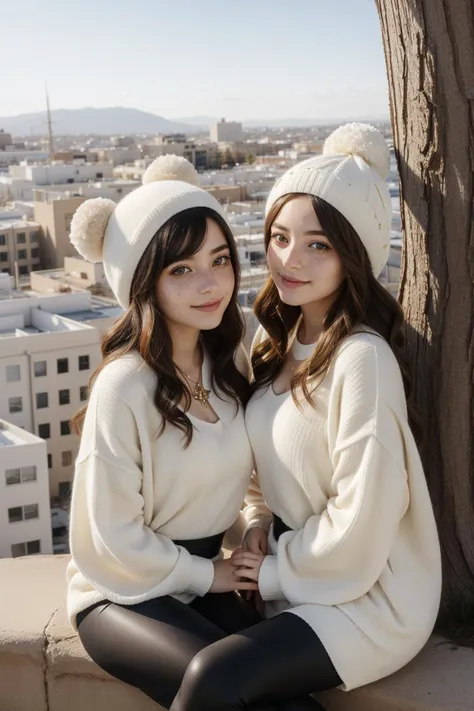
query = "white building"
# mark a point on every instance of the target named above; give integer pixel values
(49, 347)
(226, 132)
(25, 518)
(16, 156)
(58, 172)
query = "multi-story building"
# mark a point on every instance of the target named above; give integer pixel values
(54, 213)
(59, 172)
(201, 155)
(19, 245)
(226, 132)
(25, 514)
(49, 347)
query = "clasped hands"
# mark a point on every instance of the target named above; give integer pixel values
(241, 570)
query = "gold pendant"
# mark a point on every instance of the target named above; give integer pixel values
(201, 394)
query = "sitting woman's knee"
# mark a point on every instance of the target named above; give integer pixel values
(207, 685)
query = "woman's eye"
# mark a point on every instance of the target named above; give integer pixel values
(222, 261)
(319, 246)
(278, 237)
(180, 271)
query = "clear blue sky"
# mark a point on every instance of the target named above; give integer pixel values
(177, 58)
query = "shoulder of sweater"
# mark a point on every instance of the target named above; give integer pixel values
(365, 363)
(126, 378)
(365, 348)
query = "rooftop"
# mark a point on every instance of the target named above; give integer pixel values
(17, 224)
(11, 435)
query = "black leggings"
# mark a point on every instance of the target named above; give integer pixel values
(212, 655)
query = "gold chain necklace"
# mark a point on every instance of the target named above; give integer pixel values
(199, 393)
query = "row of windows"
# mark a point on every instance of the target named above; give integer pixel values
(23, 513)
(41, 368)
(66, 459)
(22, 269)
(44, 430)
(21, 254)
(64, 397)
(28, 548)
(20, 238)
(20, 475)
(15, 404)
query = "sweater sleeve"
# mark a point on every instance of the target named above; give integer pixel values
(256, 513)
(111, 545)
(340, 553)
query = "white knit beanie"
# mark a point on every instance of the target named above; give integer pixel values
(351, 176)
(118, 235)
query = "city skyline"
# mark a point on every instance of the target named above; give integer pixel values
(308, 60)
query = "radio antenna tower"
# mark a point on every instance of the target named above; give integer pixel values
(50, 126)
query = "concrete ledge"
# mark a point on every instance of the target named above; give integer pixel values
(43, 666)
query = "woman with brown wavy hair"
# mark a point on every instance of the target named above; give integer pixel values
(164, 458)
(352, 556)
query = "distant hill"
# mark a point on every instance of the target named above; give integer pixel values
(117, 120)
(120, 120)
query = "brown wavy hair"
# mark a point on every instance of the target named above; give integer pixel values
(361, 300)
(143, 328)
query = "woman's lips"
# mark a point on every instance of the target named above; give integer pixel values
(292, 283)
(209, 306)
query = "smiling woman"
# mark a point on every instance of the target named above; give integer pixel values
(164, 458)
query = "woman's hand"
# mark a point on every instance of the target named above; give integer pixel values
(227, 580)
(247, 565)
(256, 541)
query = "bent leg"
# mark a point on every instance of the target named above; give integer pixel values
(279, 661)
(148, 645)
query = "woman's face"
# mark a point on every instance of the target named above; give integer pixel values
(305, 268)
(195, 292)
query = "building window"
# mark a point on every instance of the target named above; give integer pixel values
(66, 458)
(64, 397)
(84, 362)
(65, 428)
(21, 238)
(28, 474)
(44, 431)
(30, 511)
(15, 404)
(63, 365)
(15, 514)
(3, 240)
(12, 476)
(42, 400)
(23, 269)
(83, 390)
(50, 461)
(35, 253)
(41, 368)
(28, 548)
(3, 256)
(13, 373)
(34, 236)
(22, 254)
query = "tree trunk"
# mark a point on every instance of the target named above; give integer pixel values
(429, 52)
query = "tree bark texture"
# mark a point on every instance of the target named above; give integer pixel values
(429, 52)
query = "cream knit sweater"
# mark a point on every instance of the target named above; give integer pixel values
(362, 563)
(133, 492)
